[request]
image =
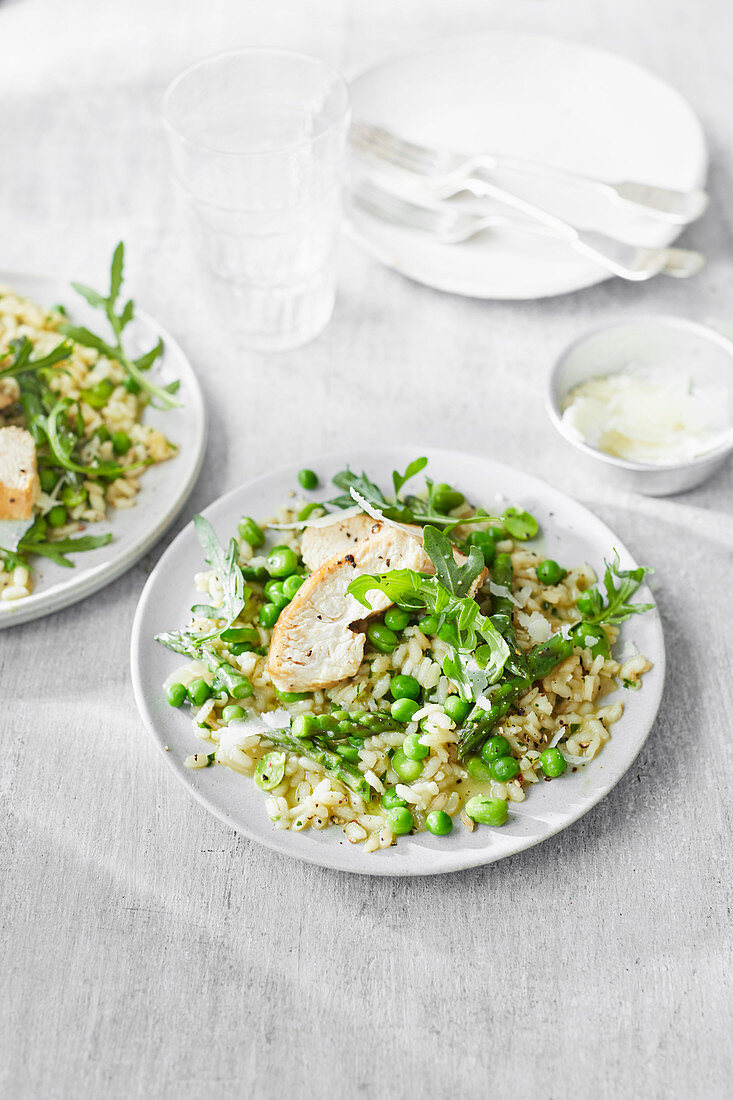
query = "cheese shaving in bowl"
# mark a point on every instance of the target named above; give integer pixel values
(644, 415)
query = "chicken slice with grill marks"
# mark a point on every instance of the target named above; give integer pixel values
(313, 645)
(318, 544)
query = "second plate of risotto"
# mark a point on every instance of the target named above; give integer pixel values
(102, 435)
(391, 663)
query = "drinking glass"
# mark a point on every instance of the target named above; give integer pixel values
(257, 140)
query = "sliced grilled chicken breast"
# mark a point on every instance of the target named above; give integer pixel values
(318, 544)
(19, 485)
(313, 645)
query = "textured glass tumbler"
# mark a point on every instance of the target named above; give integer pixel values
(257, 140)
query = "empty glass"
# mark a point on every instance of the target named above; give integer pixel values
(257, 140)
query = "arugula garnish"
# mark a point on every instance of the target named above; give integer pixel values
(226, 566)
(617, 606)
(34, 541)
(456, 578)
(411, 509)
(21, 362)
(118, 321)
(474, 666)
(62, 443)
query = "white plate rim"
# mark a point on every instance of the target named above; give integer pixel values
(85, 582)
(468, 289)
(372, 864)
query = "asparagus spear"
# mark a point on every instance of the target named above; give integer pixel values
(539, 661)
(226, 676)
(350, 776)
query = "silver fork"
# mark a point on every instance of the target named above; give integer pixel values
(451, 226)
(448, 173)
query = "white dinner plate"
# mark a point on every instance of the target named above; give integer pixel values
(571, 534)
(549, 100)
(164, 487)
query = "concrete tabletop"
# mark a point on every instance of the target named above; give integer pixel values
(148, 950)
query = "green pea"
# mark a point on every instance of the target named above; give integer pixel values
(308, 479)
(303, 725)
(251, 532)
(293, 696)
(487, 811)
(589, 602)
(240, 687)
(71, 496)
(274, 593)
(176, 694)
(552, 762)
(281, 561)
(102, 433)
(485, 543)
(390, 799)
(232, 713)
(396, 618)
(270, 771)
(592, 638)
(400, 820)
(198, 692)
(121, 443)
(495, 747)
(348, 752)
(382, 638)
(98, 396)
(404, 687)
(291, 585)
(57, 516)
(48, 479)
(254, 573)
(413, 748)
(268, 615)
(446, 499)
(504, 768)
(240, 634)
(549, 572)
(408, 770)
(439, 823)
(520, 525)
(403, 709)
(429, 624)
(456, 708)
(307, 511)
(477, 769)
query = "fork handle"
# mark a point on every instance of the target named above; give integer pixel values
(678, 207)
(625, 260)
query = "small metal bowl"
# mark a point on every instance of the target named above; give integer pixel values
(683, 346)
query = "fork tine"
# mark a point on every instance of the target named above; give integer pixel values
(387, 146)
(390, 207)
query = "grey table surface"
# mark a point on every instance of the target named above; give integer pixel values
(150, 951)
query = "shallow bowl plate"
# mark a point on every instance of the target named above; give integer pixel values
(571, 534)
(164, 488)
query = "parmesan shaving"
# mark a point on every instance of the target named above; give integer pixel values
(646, 415)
